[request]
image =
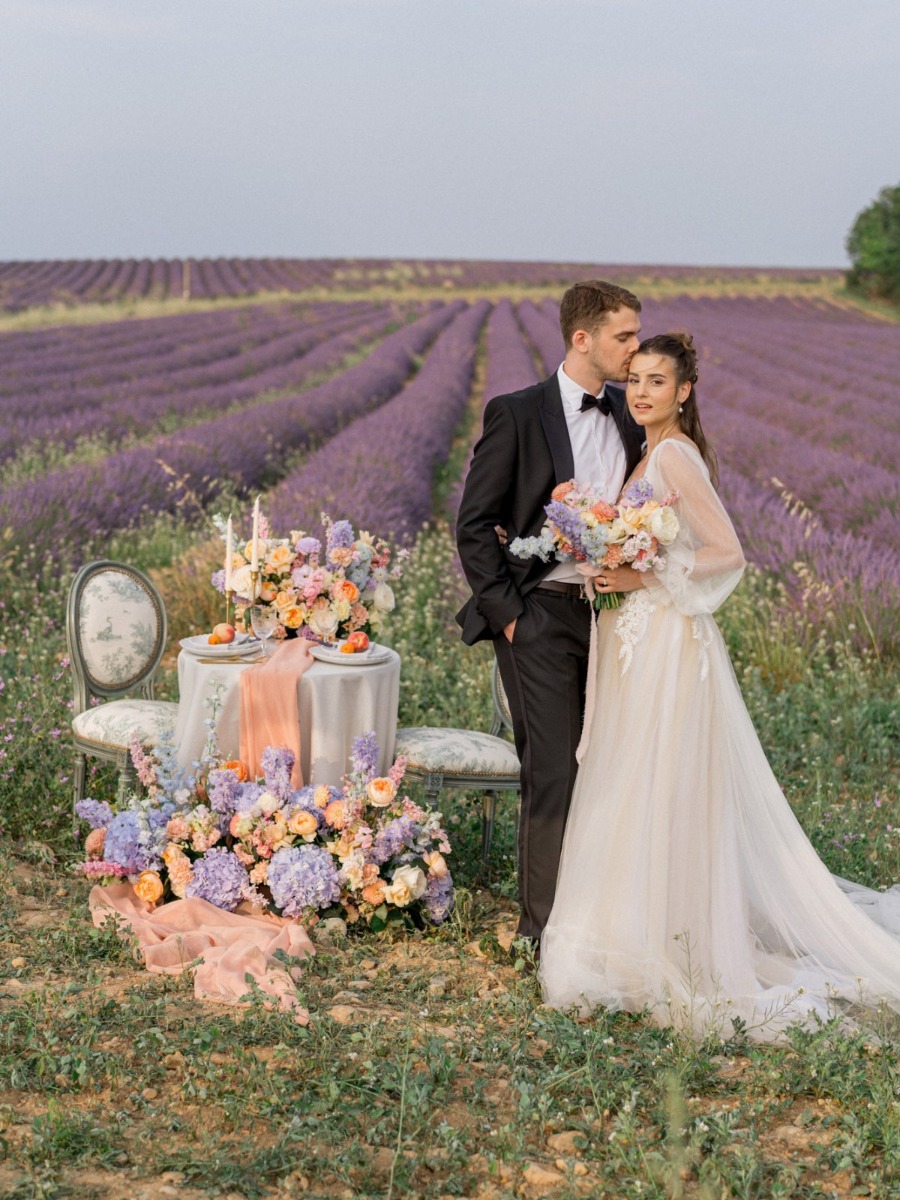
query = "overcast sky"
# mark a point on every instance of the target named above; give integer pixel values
(647, 131)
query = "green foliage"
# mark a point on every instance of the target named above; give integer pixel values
(874, 247)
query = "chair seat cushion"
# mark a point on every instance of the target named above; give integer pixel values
(112, 724)
(457, 752)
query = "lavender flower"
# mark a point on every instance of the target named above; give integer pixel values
(277, 764)
(97, 813)
(396, 837)
(219, 878)
(638, 492)
(340, 537)
(302, 877)
(223, 789)
(438, 898)
(364, 755)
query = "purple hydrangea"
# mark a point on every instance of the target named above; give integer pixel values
(247, 796)
(638, 492)
(437, 899)
(219, 878)
(123, 845)
(277, 764)
(222, 789)
(97, 813)
(340, 536)
(364, 755)
(397, 836)
(302, 877)
(308, 545)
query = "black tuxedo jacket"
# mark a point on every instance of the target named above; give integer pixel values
(522, 455)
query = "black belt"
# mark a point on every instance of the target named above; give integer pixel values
(573, 591)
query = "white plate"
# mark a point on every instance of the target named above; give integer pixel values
(199, 645)
(365, 658)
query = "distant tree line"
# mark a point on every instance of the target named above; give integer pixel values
(874, 248)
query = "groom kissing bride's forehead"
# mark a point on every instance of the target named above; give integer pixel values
(573, 425)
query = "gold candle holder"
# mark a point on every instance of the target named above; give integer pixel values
(254, 583)
(229, 596)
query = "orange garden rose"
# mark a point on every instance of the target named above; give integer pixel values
(561, 491)
(293, 616)
(285, 599)
(303, 824)
(279, 559)
(148, 887)
(238, 768)
(345, 589)
(381, 792)
(603, 511)
(373, 893)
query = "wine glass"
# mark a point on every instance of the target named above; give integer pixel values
(263, 622)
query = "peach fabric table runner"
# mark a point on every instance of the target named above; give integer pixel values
(223, 948)
(270, 708)
(336, 703)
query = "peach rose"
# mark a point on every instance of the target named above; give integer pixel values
(346, 590)
(341, 555)
(94, 843)
(408, 884)
(267, 592)
(335, 814)
(603, 511)
(381, 792)
(238, 768)
(303, 824)
(437, 864)
(561, 491)
(279, 559)
(148, 887)
(285, 599)
(293, 616)
(260, 873)
(373, 893)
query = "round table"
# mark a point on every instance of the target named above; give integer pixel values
(337, 703)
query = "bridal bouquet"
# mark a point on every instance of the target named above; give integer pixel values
(323, 592)
(590, 530)
(360, 852)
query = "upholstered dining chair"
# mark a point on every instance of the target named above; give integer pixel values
(116, 632)
(467, 759)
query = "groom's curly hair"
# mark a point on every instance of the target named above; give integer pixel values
(586, 304)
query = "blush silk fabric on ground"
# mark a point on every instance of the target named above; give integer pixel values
(687, 886)
(230, 946)
(270, 708)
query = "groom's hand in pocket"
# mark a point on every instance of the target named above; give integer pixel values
(509, 630)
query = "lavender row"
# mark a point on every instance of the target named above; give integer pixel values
(378, 472)
(66, 510)
(24, 284)
(137, 409)
(508, 367)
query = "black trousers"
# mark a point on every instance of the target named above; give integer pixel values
(544, 671)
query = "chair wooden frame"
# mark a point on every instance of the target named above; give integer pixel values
(87, 688)
(435, 781)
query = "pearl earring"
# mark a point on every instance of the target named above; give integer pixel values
(681, 408)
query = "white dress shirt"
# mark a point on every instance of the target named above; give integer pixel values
(598, 452)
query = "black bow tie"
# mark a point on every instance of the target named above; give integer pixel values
(588, 401)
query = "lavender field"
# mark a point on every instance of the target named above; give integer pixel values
(360, 389)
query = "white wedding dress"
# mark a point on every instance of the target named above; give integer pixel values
(686, 884)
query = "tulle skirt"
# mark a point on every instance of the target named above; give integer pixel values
(687, 886)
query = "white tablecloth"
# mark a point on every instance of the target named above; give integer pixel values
(337, 704)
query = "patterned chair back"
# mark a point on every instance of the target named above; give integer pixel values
(501, 702)
(116, 630)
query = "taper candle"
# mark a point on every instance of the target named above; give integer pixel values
(254, 558)
(229, 555)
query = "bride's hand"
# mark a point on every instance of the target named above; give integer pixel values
(618, 579)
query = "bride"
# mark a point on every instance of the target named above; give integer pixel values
(686, 885)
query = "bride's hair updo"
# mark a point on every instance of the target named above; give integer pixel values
(679, 347)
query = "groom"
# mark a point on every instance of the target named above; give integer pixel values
(574, 425)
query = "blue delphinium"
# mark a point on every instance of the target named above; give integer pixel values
(219, 878)
(223, 790)
(397, 836)
(277, 764)
(302, 877)
(364, 755)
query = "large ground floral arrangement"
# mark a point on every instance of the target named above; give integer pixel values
(322, 591)
(362, 852)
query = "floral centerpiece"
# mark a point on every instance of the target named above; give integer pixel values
(320, 591)
(362, 852)
(590, 530)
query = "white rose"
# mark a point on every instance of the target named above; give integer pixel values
(619, 530)
(663, 524)
(241, 582)
(383, 598)
(267, 804)
(408, 884)
(323, 622)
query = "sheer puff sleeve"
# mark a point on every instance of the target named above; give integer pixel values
(704, 563)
